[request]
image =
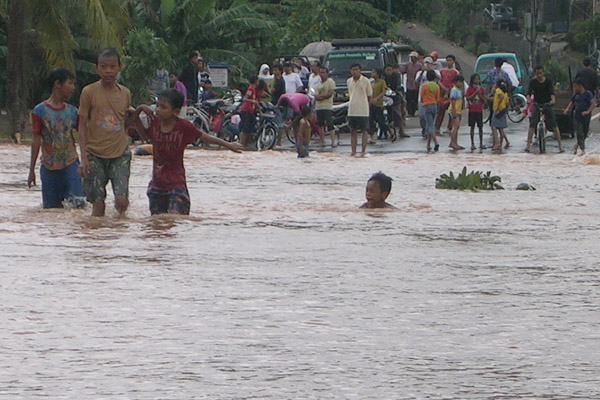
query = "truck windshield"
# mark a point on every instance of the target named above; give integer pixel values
(339, 63)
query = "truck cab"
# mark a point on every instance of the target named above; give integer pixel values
(369, 53)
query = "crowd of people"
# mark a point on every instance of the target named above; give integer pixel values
(105, 112)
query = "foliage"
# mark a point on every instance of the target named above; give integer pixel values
(480, 34)
(556, 73)
(584, 33)
(474, 180)
(145, 53)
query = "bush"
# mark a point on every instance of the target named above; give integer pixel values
(556, 73)
(475, 180)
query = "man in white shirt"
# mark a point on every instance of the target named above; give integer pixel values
(360, 91)
(314, 78)
(510, 71)
(293, 83)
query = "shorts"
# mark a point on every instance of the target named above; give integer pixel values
(101, 170)
(358, 123)
(475, 119)
(278, 120)
(60, 185)
(325, 117)
(304, 153)
(247, 123)
(458, 116)
(535, 118)
(176, 201)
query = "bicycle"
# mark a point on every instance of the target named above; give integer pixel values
(540, 130)
(517, 103)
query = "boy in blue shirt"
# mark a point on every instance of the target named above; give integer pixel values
(53, 123)
(583, 103)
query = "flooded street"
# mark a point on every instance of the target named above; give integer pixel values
(278, 287)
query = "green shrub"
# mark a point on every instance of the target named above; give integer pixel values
(474, 180)
(556, 73)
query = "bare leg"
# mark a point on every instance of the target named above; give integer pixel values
(529, 137)
(495, 145)
(558, 139)
(98, 209)
(364, 143)
(332, 134)
(353, 140)
(121, 204)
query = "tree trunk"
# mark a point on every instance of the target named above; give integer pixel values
(14, 64)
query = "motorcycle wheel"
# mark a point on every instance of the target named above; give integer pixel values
(227, 130)
(201, 124)
(266, 138)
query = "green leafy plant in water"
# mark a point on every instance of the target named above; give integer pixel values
(474, 180)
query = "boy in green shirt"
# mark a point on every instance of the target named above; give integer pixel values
(376, 107)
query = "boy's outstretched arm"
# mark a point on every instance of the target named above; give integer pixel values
(233, 146)
(35, 150)
(138, 122)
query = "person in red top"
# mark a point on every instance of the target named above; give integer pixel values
(447, 77)
(476, 97)
(167, 191)
(251, 99)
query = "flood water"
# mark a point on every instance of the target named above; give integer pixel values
(278, 287)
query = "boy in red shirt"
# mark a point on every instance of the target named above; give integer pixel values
(167, 191)
(251, 99)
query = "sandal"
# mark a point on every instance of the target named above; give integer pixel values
(436, 147)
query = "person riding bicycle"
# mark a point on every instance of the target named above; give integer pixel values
(541, 93)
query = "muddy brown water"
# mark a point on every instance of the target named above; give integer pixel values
(277, 287)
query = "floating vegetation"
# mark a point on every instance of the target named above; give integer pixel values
(474, 180)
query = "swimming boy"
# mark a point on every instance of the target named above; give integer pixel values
(53, 123)
(167, 191)
(102, 137)
(378, 189)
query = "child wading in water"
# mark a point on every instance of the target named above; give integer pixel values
(102, 137)
(302, 128)
(500, 108)
(455, 110)
(378, 189)
(53, 123)
(475, 97)
(584, 103)
(167, 191)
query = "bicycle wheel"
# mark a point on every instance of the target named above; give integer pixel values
(290, 134)
(487, 108)
(541, 136)
(518, 102)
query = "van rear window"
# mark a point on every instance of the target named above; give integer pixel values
(485, 65)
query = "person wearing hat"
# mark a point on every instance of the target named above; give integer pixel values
(434, 60)
(410, 69)
(208, 93)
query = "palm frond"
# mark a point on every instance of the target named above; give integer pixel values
(55, 35)
(103, 28)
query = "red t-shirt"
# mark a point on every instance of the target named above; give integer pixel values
(251, 94)
(476, 103)
(447, 77)
(168, 172)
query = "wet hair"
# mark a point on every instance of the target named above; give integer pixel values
(384, 181)
(325, 68)
(578, 81)
(61, 75)
(379, 72)
(173, 97)
(458, 78)
(538, 68)
(388, 65)
(498, 61)
(587, 62)
(451, 56)
(278, 66)
(431, 75)
(317, 63)
(355, 65)
(472, 79)
(106, 53)
(304, 111)
(502, 85)
(252, 79)
(287, 65)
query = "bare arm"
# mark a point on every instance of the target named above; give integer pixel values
(83, 127)
(35, 150)
(589, 110)
(138, 123)
(233, 146)
(569, 108)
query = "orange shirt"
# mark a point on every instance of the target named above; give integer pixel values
(430, 93)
